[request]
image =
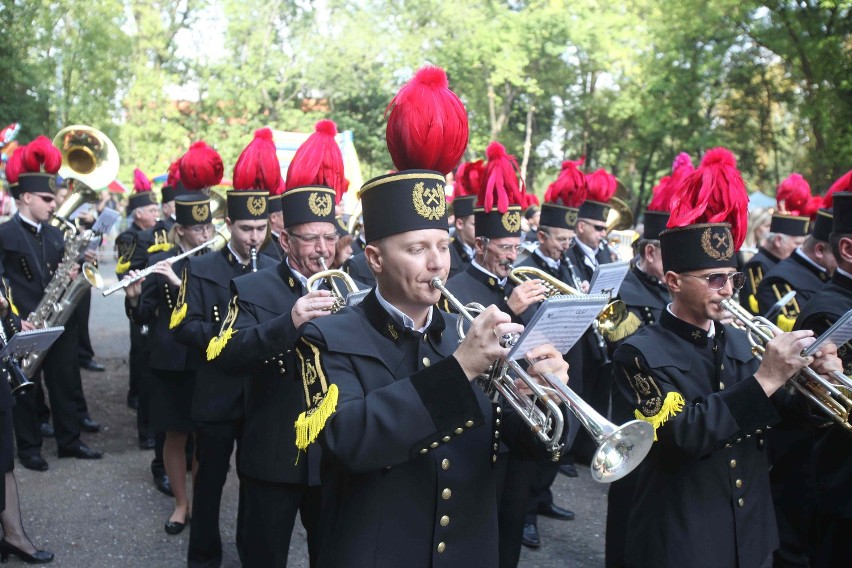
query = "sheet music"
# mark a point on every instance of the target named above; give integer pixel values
(839, 334)
(560, 320)
(105, 221)
(25, 342)
(607, 278)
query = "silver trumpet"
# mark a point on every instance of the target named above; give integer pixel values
(329, 275)
(619, 448)
(820, 391)
(253, 256)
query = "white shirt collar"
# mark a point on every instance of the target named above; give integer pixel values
(711, 333)
(303, 279)
(401, 318)
(554, 264)
(467, 248)
(587, 251)
(30, 222)
(843, 272)
(238, 257)
(480, 268)
(802, 254)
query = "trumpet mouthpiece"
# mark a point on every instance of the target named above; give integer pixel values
(436, 282)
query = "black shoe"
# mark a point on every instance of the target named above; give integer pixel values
(34, 462)
(554, 512)
(163, 485)
(568, 469)
(92, 366)
(46, 430)
(147, 442)
(40, 556)
(530, 537)
(89, 425)
(133, 401)
(174, 527)
(81, 451)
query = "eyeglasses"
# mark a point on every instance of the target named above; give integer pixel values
(312, 239)
(506, 249)
(717, 280)
(599, 228)
(560, 240)
(45, 198)
(199, 229)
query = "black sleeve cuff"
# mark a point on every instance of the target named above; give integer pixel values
(750, 406)
(447, 395)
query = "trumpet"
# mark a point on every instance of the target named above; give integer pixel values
(219, 240)
(619, 448)
(821, 392)
(330, 275)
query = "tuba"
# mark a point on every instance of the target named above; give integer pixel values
(89, 159)
(620, 449)
(330, 275)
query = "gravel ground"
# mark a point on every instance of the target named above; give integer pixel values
(107, 513)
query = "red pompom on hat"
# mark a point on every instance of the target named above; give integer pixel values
(201, 167)
(41, 155)
(502, 185)
(844, 183)
(602, 186)
(793, 195)
(570, 188)
(140, 181)
(713, 193)
(468, 178)
(174, 173)
(258, 166)
(427, 124)
(15, 167)
(664, 191)
(318, 161)
(814, 204)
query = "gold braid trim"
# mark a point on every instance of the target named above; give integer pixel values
(179, 311)
(160, 247)
(671, 406)
(217, 344)
(321, 398)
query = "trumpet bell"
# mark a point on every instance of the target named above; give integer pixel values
(88, 155)
(622, 451)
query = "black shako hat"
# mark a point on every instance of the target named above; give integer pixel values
(408, 200)
(698, 247)
(655, 223)
(791, 225)
(559, 216)
(193, 209)
(463, 206)
(821, 226)
(842, 209)
(308, 204)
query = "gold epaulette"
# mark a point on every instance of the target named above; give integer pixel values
(320, 396)
(672, 404)
(122, 266)
(179, 311)
(217, 344)
(752, 304)
(160, 247)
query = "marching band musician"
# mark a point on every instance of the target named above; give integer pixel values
(30, 252)
(591, 248)
(702, 496)
(787, 232)
(150, 302)
(462, 244)
(258, 336)
(218, 403)
(276, 225)
(830, 459)
(409, 445)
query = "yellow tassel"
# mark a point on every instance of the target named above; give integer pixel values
(671, 406)
(161, 247)
(309, 424)
(177, 316)
(122, 266)
(214, 348)
(14, 308)
(785, 323)
(752, 305)
(626, 328)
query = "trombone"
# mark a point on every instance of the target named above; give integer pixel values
(823, 393)
(619, 448)
(330, 275)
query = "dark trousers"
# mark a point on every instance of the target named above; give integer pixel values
(541, 478)
(84, 345)
(158, 468)
(512, 507)
(62, 383)
(140, 377)
(270, 514)
(834, 546)
(214, 443)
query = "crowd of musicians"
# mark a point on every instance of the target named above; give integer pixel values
(368, 419)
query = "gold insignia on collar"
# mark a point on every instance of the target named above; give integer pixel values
(291, 282)
(696, 334)
(512, 221)
(718, 246)
(392, 331)
(256, 205)
(491, 282)
(429, 202)
(320, 204)
(200, 212)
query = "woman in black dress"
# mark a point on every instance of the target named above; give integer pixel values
(152, 302)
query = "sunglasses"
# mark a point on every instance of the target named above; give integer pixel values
(717, 280)
(598, 228)
(45, 198)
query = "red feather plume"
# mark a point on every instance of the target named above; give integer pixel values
(15, 167)
(502, 185)
(602, 186)
(174, 174)
(318, 161)
(258, 166)
(279, 189)
(844, 183)
(813, 205)
(570, 188)
(793, 195)
(468, 178)
(713, 193)
(140, 181)
(41, 155)
(427, 124)
(666, 189)
(201, 167)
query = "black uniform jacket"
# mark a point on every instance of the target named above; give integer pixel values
(644, 295)
(474, 285)
(11, 325)
(581, 264)
(132, 246)
(218, 395)
(793, 273)
(154, 309)
(459, 258)
(356, 267)
(702, 496)
(28, 261)
(157, 240)
(409, 453)
(262, 347)
(834, 448)
(755, 269)
(273, 248)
